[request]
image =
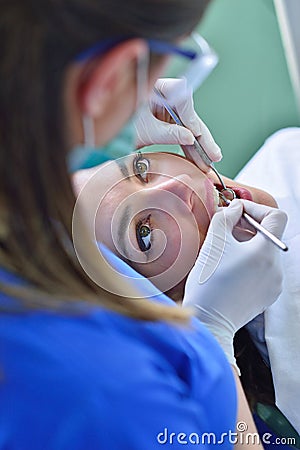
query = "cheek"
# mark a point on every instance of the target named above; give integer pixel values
(174, 250)
(181, 241)
(169, 239)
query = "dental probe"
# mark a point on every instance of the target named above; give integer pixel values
(209, 162)
(260, 228)
(196, 144)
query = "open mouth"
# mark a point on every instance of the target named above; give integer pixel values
(240, 192)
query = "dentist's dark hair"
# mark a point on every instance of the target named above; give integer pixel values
(38, 41)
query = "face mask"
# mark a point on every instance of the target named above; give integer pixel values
(84, 156)
(87, 155)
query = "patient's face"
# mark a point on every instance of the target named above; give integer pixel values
(153, 210)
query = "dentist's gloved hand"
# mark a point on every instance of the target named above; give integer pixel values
(232, 282)
(153, 127)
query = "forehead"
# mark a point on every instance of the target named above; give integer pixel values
(101, 177)
(114, 179)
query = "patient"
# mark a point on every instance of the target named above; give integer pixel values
(153, 210)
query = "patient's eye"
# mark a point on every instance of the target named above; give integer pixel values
(143, 234)
(141, 167)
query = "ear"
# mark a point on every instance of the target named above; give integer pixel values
(101, 78)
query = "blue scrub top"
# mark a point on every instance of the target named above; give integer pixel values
(100, 380)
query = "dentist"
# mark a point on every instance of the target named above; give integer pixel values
(82, 367)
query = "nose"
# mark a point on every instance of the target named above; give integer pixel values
(179, 186)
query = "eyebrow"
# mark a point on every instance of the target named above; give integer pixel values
(123, 227)
(123, 168)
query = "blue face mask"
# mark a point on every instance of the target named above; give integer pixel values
(82, 157)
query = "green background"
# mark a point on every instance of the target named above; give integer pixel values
(249, 95)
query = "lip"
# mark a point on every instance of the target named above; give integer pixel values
(243, 193)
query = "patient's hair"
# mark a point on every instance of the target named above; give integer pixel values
(38, 40)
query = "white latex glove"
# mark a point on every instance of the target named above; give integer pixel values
(151, 130)
(232, 282)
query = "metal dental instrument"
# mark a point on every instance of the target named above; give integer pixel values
(196, 144)
(209, 162)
